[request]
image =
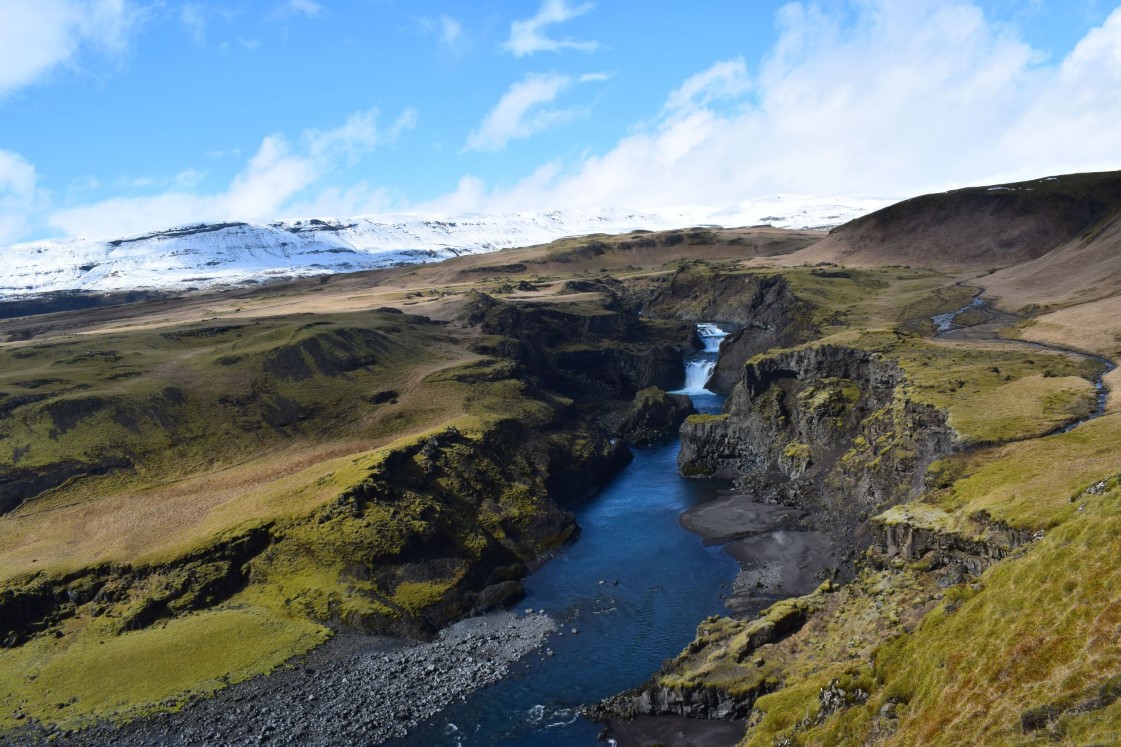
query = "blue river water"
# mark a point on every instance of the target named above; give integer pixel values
(634, 585)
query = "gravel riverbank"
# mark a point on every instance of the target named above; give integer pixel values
(354, 689)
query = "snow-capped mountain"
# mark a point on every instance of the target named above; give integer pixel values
(214, 254)
(218, 254)
(782, 211)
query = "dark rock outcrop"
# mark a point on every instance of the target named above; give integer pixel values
(654, 416)
(762, 312)
(602, 354)
(825, 428)
(715, 677)
(973, 552)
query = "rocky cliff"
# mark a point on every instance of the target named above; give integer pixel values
(609, 353)
(761, 311)
(824, 427)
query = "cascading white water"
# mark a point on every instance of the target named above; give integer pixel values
(711, 336)
(699, 368)
(697, 374)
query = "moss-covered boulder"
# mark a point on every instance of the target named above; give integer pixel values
(654, 416)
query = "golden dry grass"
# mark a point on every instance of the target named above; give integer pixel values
(1094, 327)
(137, 517)
(96, 523)
(1032, 406)
(1084, 269)
(1112, 382)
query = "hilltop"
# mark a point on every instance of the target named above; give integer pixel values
(79, 272)
(984, 228)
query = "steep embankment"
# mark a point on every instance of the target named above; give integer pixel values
(823, 428)
(979, 228)
(986, 522)
(1084, 268)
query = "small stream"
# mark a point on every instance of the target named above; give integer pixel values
(627, 595)
(947, 328)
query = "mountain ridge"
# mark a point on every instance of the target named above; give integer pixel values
(985, 228)
(234, 252)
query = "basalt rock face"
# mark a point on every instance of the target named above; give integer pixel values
(609, 353)
(198, 580)
(761, 310)
(654, 416)
(973, 553)
(470, 516)
(718, 676)
(691, 702)
(826, 428)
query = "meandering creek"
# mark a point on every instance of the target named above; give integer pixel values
(946, 327)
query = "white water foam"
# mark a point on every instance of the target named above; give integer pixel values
(711, 336)
(697, 374)
(700, 367)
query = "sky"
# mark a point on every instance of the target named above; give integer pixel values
(122, 116)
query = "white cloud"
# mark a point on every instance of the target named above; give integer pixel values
(901, 99)
(528, 36)
(38, 36)
(405, 122)
(344, 202)
(193, 18)
(595, 77)
(18, 195)
(447, 29)
(276, 175)
(1077, 114)
(308, 8)
(724, 80)
(450, 30)
(519, 114)
(188, 179)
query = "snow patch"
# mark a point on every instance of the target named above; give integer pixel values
(231, 253)
(217, 254)
(793, 211)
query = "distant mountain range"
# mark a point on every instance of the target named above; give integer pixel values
(230, 253)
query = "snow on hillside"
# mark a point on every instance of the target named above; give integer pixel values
(213, 254)
(783, 211)
(218, 254)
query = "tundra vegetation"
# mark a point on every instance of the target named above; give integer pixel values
(982, 608)
(198, 489)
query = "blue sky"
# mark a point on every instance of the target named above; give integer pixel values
(118, 116)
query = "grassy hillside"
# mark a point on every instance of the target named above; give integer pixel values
(982, 228)
(983, 609)
(197, 489)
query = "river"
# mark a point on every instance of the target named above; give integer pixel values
(628, 594)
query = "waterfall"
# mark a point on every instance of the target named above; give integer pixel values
(697, 373)
(711, 336)
(699, 367)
